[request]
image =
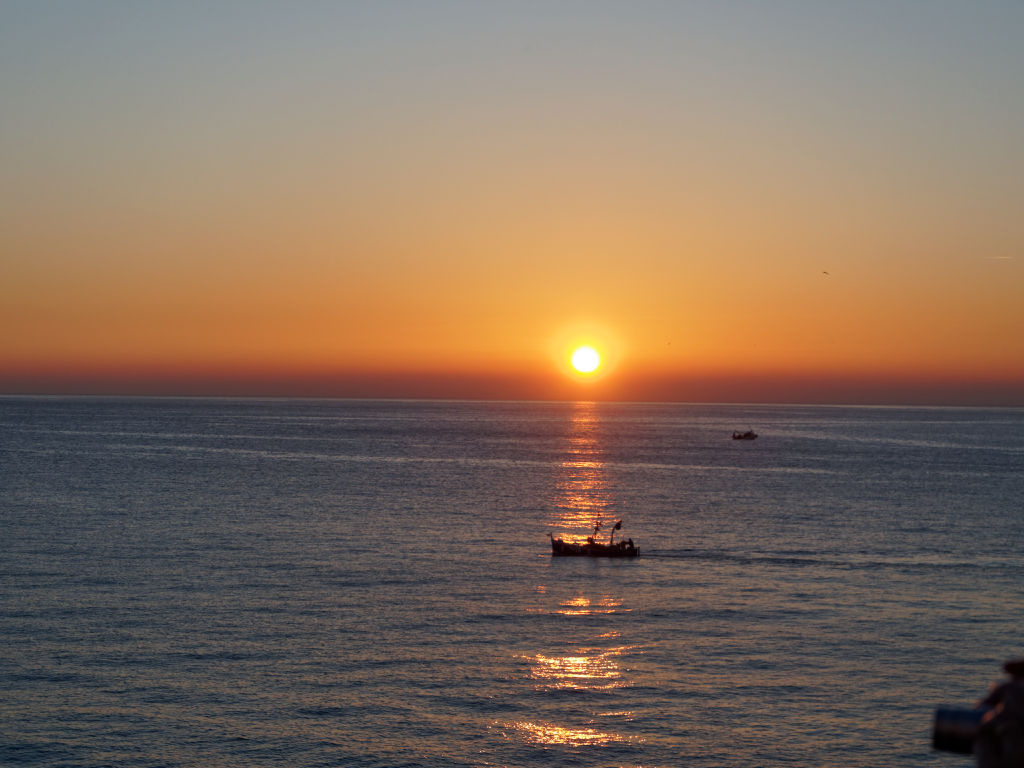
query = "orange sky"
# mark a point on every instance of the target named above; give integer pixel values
(732, 203)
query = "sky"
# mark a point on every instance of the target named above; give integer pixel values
(732, 201)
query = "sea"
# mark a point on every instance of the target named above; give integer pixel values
(243, 583)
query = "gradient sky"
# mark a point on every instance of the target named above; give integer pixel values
(754, 201)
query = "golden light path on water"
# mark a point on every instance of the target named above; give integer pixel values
(584, 606)
(586, 669)
(593, 663)
(546, 734)
(583, 498)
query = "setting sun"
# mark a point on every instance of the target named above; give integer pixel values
(585, 359)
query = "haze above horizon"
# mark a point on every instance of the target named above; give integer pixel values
(788, 202)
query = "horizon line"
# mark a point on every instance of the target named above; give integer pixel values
(510, 401)
(893, 388)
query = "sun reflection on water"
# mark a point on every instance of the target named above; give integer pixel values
(582, 493)
(584, 669)
(547, 734)
(589, 659)
(584, 606)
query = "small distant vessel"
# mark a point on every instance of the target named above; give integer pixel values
(592, 548)
(748, 435)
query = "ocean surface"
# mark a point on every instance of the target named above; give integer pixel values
(369, 583)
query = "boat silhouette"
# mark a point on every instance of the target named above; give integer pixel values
(593, 548)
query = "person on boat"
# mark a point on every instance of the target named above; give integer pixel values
(1000, 742)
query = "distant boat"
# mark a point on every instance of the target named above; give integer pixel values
(592, 548)
(748, 435)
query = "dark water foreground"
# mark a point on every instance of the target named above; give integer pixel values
(345, 583)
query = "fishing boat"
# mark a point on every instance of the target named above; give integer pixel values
(593, 548)
(748, 435)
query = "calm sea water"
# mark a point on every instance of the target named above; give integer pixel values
(351, 583)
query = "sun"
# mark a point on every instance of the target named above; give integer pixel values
(585, 359)
(586, 353)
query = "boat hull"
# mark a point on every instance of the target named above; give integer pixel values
(593, 549)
